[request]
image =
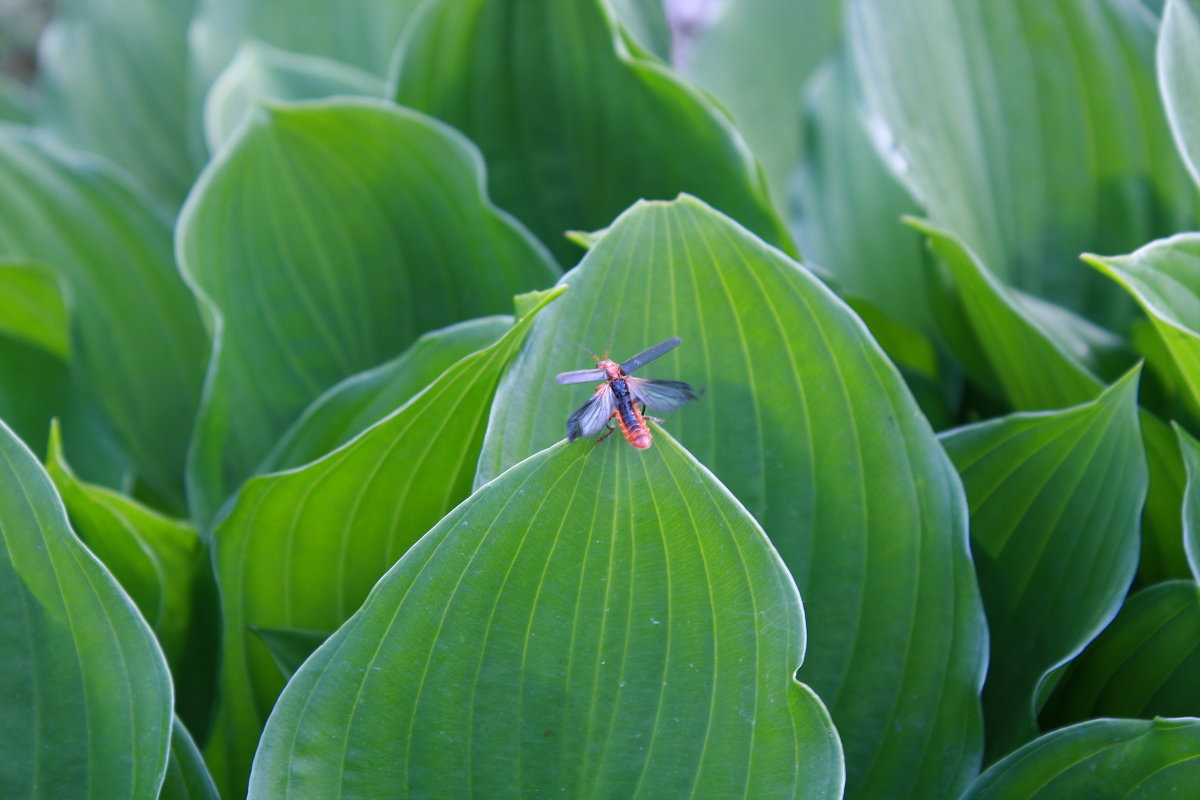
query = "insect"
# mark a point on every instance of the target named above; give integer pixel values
(620, 395)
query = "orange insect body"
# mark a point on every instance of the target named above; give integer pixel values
(628, 416)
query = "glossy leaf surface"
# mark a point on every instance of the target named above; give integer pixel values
(317, 273)
(570, 153)
(810, 426)
(85, 697)
(638, 639)
(1056, 500)
(1179, 77)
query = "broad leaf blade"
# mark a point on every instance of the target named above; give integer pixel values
(1191, 501)
(301, 549)
(809, 424)
(187, 778)
(1146, 663)
(353, 405)
(1055, 500)
(383, 234)
(634, 635)
(32, 307)
(1179, 77)
(1129, 759)
(137, 336)
(989, 126)
(572, 152)
(85, 696)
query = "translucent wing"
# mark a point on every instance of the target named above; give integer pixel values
(661, 395)
(646, 356)
(580, 376)
(591, 417)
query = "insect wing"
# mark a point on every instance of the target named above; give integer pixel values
(646, 356)
(580, 376)
(662, 396)
(591, 417)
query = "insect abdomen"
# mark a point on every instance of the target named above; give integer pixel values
(633, 426)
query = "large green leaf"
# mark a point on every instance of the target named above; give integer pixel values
(1191, 501)
(32, 307)
(646, 21)
(187, 778)
(1146, 663)
(361, 400)
(1104, 759)
(1031, 129)
(809, 424)
(153, 557)
(113, 81)
(301, 549)
(85, 697)
(573, 125)
(260, 71)
(598, 621)
(326, 238)
(1055, 501)
(1006, 344)
(755, 57)
(1179, 77)
(137, 337)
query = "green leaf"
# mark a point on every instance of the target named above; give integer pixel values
(85, 697)
(187, 777)
(646, 21)
(1146, 663)
(847, 206)
(137, 336)
(1033, 130)
(1179, 77)
(1191, 500)
(1005, 341)
(1104, 759)
(809, 424)
(153, 557)
(32, 308)
(289, 647)
(572, 152)
(633, 634)
(260, 71)
(1056, 499)
(754, 57)
(361, 400)
(16, 101)
(113, 81)
(319, 272)
(301, 549)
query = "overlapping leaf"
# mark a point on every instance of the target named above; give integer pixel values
(137, 335)
(598, 621)
(85, 697)
(325, 239)
(573, 125)
(1146, 663)
(1191, 501)
(1055, 501)
(187, 778)
(301, 549)
(1130, 759)
(811, 427)
(1033, 130)
(1179, 77)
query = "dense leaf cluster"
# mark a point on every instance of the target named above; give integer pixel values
(285, 500)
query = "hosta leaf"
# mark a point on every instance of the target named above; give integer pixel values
(153, 557)
(1035, 367)
(572, 152)
(1103, 759)
(1055, 501)
(320, 271)
(32, 308)
(598, 621)
(1031, 129)
(260, 71)
(1191, 501)
(114, 82)
(361, 400)
(755, 57)
(646, 21)
(1146, 663)
(289, 646)
(1179, 77)
(187, 777)
(808, 423)
(85, 697)
(137, 335)
(848, 206)
(301, 549)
